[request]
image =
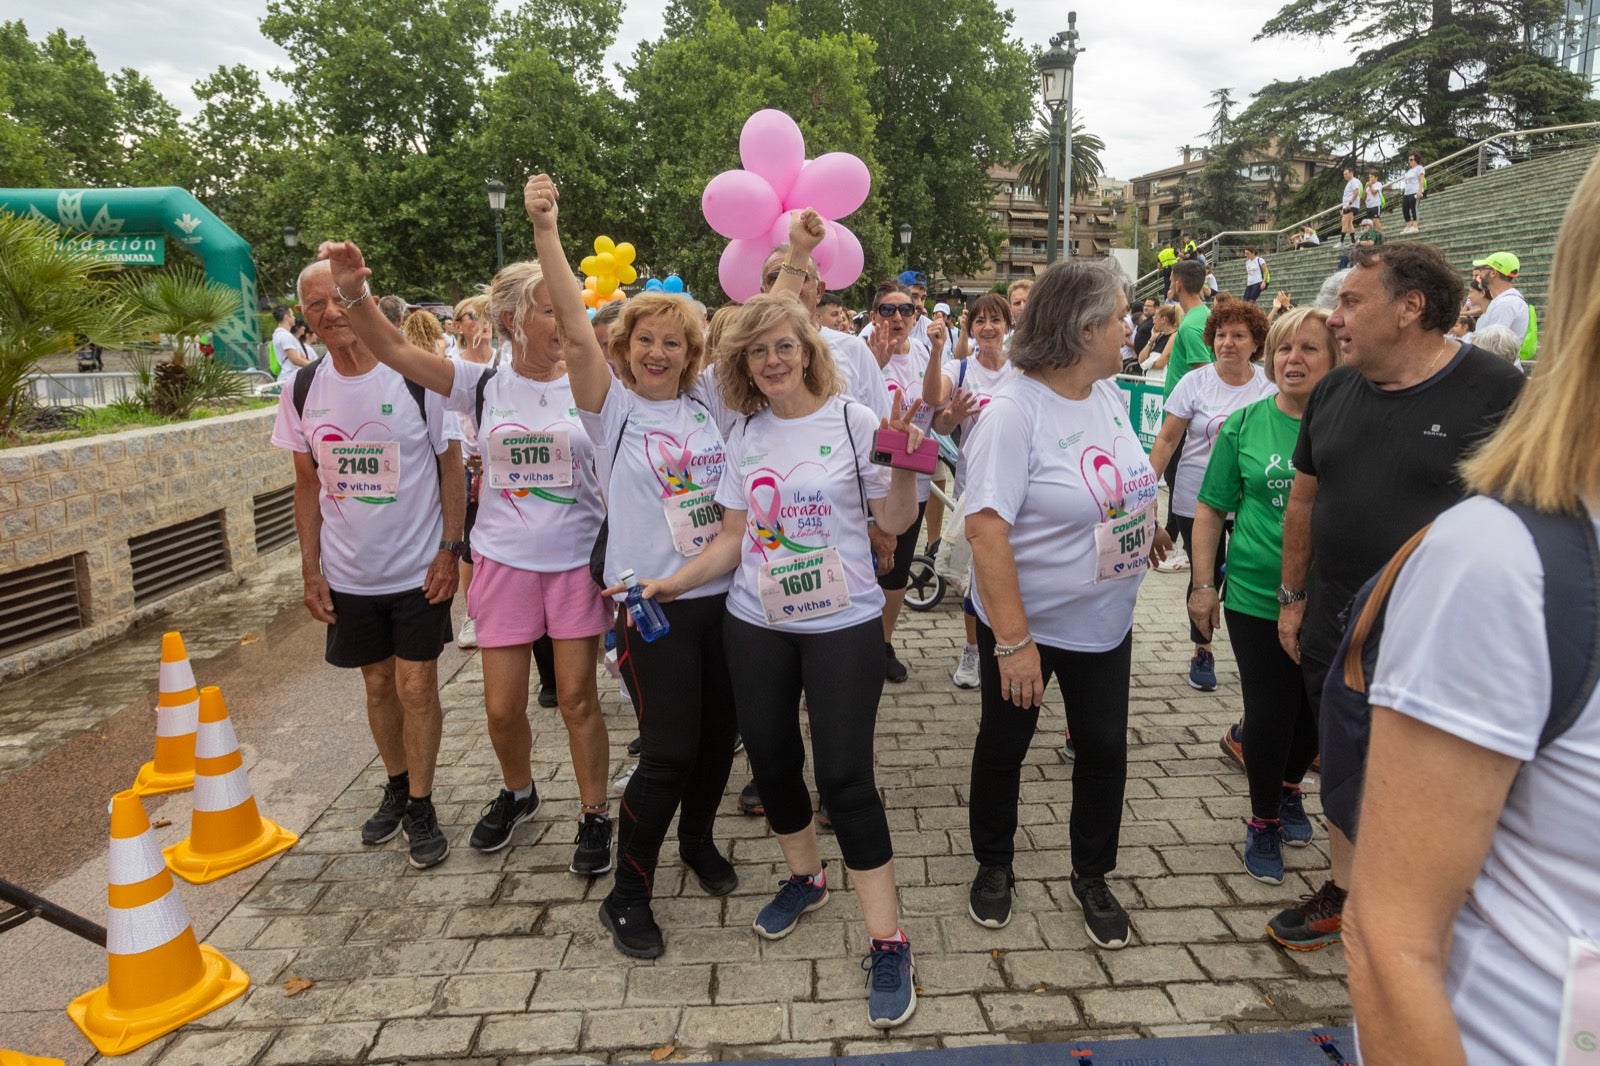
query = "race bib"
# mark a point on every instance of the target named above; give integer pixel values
(694, 519)
(1122, 545)
(519, 459)
(1580, 1005)
(359, 468)
(803, 586)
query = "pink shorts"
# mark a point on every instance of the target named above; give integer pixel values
(514, 606)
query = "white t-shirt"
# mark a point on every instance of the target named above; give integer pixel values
(1352, 193)
(1411, 181)
(670, 449)
(284, 342)
(462, 427)
(1252, 271)
(1206, 401)
(1464, 650)
(1509, 309)
(863, 381)
(373, 545)
(1375, 193)
(802, 482)
(983, 383)
(902, 376)
(1055, 469)
(542, 530)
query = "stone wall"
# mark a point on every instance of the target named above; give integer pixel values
(86, 497)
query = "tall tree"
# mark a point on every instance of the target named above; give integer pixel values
(1220, 196)
(57, 89)
(1033, 156)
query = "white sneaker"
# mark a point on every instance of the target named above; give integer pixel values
(612, 666)
(468, 638)
(1177, 561)
(966, 675)
(620, 785)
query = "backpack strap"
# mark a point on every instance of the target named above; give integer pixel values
(1362, 625)
(478, 390)
(961, 374)
(861, 486)
(302, 386)
(1568, 552)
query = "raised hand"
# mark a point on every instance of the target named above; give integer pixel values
(964, 403)
(350, 270)
(936, 337)
(806, 229)
(539, 197)
(901, 420)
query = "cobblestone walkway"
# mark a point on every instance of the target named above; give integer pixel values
(499, 958)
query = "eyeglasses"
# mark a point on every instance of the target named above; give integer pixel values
(787, 351)
(890, 310)
(467, 316)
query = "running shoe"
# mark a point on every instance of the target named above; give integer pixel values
(711, 868)
(428, 846)
(593, 854)
(547, 696)
(1232, 740)
(1315, 922)
(385, 821)
(467, 639)
(635, 746)
(1069, 749)
(750, 800)
(1177, 560)
(633, 929)
(620, 785)
(966, 675)
(1203, 671)
(501, 816)
(893, 669)
(1103, 917)
(796, 896)
(891, 983)
(989, 898)
(1263, 851)
(1297, 830)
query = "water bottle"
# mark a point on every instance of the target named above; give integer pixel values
(648, 618)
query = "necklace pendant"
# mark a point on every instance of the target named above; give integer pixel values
(544, 400)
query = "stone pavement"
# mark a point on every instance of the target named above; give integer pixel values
(499, 958)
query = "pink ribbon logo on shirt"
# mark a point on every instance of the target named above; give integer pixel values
(1099, 468)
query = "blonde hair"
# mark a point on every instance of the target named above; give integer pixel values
(477, 306)
(513, 291)
(1021, 283)
(676, 310)
(1547, 450)
(739, 329)
(1171, 314)
(1283, 330)
(422, 329)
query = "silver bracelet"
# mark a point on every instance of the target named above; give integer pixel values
(347, 301)
(1002, 651)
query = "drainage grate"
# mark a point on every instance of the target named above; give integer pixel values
(39, 603)
(274, 513)
(173, 558)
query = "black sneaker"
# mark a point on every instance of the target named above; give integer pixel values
(635, 746)
(750, 800)
(547, 696)
(385, 821)
(1103, 917)
(989, 899)
(593, 856)
(893, 669)
(421, 827)
(503, 814)
(715, 873)
(1315, 922)
(633, 929)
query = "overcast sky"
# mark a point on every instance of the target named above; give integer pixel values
(1143, 85)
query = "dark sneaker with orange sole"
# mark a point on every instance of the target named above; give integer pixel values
(1315, 922)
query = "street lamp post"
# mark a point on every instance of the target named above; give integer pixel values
(497, 208)
(905, 245)
(291, 237)
(1055, 87)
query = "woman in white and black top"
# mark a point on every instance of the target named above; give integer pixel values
(661, 459)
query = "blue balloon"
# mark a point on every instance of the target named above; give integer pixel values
(653, 286)
(674, 283)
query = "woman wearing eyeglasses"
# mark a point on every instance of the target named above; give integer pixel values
(804, 615)
(903, 361)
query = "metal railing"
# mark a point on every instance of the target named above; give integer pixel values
(1475, 160)
(102, 387)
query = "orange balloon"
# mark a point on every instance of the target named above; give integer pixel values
(591, 298)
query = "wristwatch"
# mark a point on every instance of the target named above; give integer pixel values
(1287, 595)
(455, 547)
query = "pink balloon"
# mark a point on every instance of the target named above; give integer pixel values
(772, 146)
(739, 204)
(848, 258)
(779, 233)
(823, 254)
(740, 268)
(835, 184)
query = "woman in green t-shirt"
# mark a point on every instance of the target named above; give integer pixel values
(1249, 474)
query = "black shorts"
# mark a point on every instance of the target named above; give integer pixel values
(1347, 211)
(371, 629)
(1372, 212)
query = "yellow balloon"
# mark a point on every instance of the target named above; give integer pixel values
(624, 253)
(603, 244)
(605, 286)
(627, 275)
(605, 264)
(590, 265)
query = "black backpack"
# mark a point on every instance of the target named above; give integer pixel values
(1568, 548)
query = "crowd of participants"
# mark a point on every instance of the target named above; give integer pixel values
(753, 475)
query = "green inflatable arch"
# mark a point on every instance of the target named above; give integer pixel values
(224, 255)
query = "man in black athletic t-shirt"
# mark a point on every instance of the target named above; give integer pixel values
(1376, 461)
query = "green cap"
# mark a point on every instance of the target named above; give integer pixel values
(1504, 262)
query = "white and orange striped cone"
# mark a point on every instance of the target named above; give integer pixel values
(226, 831)
(17, 1058)
(159, 976)
(177, 713)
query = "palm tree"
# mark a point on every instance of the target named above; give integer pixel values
(184, 305)
(1033, 156)
(51, 298)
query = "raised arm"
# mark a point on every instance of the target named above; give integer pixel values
(378, 334)
(586, 363)
(806, 230)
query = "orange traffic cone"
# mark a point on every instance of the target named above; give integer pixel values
(160, 978)
(226, 831)
(177, 711)
(17, 1058)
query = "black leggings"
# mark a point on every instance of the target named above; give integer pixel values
(1186, 532)
(1094, 687)
(841, 675)
(1408, 208)
(905, 546)
(1280, 734)
(684, 702)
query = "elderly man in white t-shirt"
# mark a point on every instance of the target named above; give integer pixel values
(379, 502)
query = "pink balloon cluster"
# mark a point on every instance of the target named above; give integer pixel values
(751, 206)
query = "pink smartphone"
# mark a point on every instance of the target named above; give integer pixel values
(889, 449)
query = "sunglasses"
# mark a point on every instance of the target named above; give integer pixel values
(890, 310)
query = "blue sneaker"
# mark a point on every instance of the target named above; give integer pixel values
(796, 896)
(1263, 852)
(891, 983)
(1203, 671)
(1297, 829)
